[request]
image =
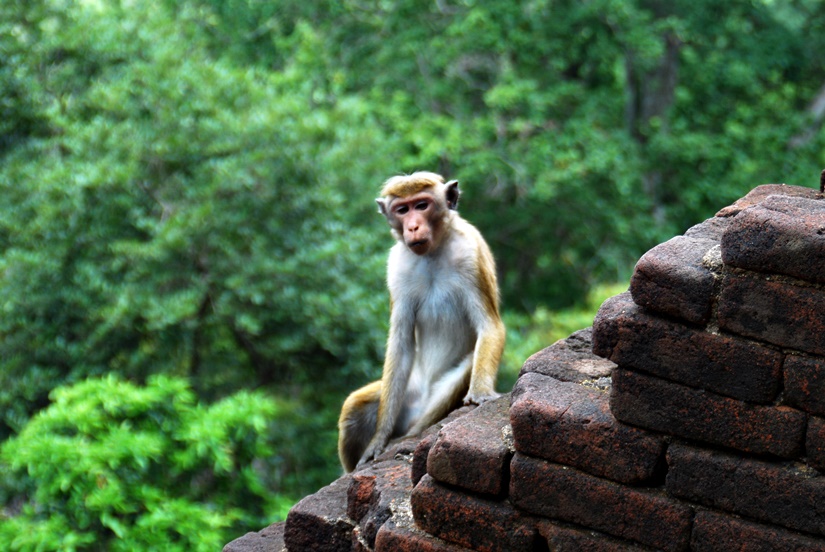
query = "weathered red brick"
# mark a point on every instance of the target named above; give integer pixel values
(571, 424)
(358, 542)
(815, 442)
(360, 494)
(761, 193)
(427, 440)
(672, 280)
(474, 451)
(476, 523)
(805, 383)
(783, 493)
(774, 311)
(371, 493)
(400, 536)
(560, 492)
(781, 235)
(726, 365)
(406, 446)
(319, 521)
(271, 539)
(565, 538)
(674, 409)
(606, 324)
(722, 533)
(710, 229)
(570, 359)
(419, 461)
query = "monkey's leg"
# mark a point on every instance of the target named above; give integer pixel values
(445, 396)
(356, 426)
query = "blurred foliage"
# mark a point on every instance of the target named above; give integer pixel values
(530, 333)
(113, 466)
(187, 191)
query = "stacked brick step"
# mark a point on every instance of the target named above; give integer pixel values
(719, 347)
(690, 417)
(554, 472)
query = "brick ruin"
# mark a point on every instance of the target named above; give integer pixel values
(690, 417)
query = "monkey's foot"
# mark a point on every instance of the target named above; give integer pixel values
(480, 398)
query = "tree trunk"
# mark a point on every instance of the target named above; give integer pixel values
(650, 94)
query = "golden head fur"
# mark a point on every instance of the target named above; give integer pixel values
(407, 185)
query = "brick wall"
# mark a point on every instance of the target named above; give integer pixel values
(691, 417)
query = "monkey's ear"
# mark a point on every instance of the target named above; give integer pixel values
(453, 194)
(382, 205)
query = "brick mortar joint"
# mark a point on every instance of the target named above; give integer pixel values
(712, 260)
(771, 277)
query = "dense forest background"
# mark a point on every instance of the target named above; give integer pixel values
(191, 263)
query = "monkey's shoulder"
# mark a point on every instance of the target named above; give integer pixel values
(469, 237)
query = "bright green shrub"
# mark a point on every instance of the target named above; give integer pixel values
(111, 465)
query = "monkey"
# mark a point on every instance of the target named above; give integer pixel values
(446, 336)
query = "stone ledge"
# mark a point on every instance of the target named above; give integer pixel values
(570, 424)
(560, 492)
(271, 539)
(815, 443)
(805, 383)
(477, 523)
(761, 193)
(727, 365)
(722, 533)
(319, 522)
(780, 235)
(370, 496)
(563, 538)
(400, 534)
(787, 494)
(570, 359)
(712, 379)
(474, 451)
(673, 409)
(672, 280)
(773, 311)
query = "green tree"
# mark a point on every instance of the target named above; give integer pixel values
(187, 185)
(166, 211)
(182, 216)
(114, 466)
(585, 132)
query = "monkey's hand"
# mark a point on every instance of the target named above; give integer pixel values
(476, 397)
(374, 449)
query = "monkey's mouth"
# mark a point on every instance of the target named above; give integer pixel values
(419, 246)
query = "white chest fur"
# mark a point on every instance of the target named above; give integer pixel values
(435, 289)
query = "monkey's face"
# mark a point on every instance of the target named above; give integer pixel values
(418, 220)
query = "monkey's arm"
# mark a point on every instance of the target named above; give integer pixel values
(486, 357)
(398, 364)
(485, 317)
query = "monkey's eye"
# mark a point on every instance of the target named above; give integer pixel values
(422, 206)
(401, 210)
